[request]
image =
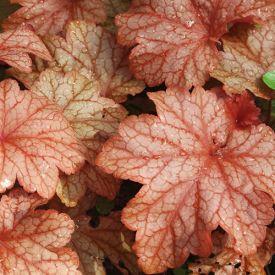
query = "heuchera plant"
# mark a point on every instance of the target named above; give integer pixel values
(82, 117)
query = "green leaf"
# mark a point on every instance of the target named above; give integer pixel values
(104, 206)
(183, 270)
(269, 79)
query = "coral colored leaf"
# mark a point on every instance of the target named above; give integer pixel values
(16, 45)
(51, 16)
(176, 39)
(36, 140)
(248, 54)
(114, 7)
(88, 114)
(230, 262)
(32, 240)
(243, 110)
(102, 59)
(199, 171)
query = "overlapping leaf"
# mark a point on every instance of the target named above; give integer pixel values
(88, 114)
(32, 240)
(16, 45)
(109, 239)
(247, 55)
(93, 52)
(176, 39)
(199, 171)
(72, 188)
(228, 261)
(113, 8)
(36, 140)
(28, 79)
(51, 16)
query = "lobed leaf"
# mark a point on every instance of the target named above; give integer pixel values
(36, 140)
(51, 16)
(198, 171)
(175, 41)
(102, 60)
(89, 114)
(32, 240)
(247, 56)
(16, 45)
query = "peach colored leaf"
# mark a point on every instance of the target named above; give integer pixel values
(88, 114)
(246, 56)
(199, 171)
(28, 79)
(36, 140)
(16, 45)
(230, 262)
(72, 188)
(103, 60)
(110, 239)
(176, 39)
(32, 240)
(80, 100)
(113, 8)
(52, 16)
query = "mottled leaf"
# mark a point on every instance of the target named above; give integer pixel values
(199, 171)
(36, 140)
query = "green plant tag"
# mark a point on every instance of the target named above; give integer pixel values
(269, 79)
(104, 206)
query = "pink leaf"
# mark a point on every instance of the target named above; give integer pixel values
(36, 140)
(32, 240)
(199, 171)
(51, 16)
(16, 45)
(103, 60)
(176, 39)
